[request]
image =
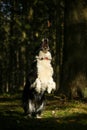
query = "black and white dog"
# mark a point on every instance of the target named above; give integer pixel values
(39, 82)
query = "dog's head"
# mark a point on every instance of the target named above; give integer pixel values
(45, 45)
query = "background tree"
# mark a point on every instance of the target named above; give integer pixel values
(23, 25)
(74, 73)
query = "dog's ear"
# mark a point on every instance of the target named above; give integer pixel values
(45, 40)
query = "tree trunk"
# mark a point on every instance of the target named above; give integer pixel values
(74, 72)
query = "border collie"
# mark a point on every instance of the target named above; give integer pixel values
(39, 82)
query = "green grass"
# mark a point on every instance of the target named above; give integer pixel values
(58, 115)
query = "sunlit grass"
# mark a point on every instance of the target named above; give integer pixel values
(71, 109)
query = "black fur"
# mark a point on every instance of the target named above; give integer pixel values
(32, 97)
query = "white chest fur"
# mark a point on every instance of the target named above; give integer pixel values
(44, 80)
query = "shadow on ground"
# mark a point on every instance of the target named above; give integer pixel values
(12, 120)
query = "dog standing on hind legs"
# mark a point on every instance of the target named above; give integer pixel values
(41, 82)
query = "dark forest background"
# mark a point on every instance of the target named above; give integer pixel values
(23, 24)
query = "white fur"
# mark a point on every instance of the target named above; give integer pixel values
(44, 80)
(31, 106)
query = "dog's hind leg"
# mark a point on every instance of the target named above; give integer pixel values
(39, 111)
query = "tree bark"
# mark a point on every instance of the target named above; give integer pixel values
(74, 72)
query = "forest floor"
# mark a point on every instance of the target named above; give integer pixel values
(59, 114)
